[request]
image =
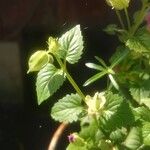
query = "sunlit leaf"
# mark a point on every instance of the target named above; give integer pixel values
(72, 43)
(67, 109)
(49, 80)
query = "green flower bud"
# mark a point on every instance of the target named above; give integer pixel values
(38, 60)
(53, 45)
(118, 4)
(95, 104)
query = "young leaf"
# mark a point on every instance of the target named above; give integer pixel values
(101, 61)
(67, 109)
(72, 43)
(95, 77)
(146, 133)
(94, 66)
(111, 29)
(120, 55)
(133, 140)
(49, 80)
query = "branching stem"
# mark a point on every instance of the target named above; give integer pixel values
(127, 17)
(120, 19)
(71, 80)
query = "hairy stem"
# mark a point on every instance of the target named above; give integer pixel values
(120, 19)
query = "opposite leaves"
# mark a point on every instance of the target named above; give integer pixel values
(49, 79)
(72, 43)
(67, 109)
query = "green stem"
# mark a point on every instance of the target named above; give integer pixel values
(139, 20)
(127, 17)
(71, 80)
(120, 19)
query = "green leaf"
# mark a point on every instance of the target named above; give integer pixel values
(95, 77)
(119, 55)
(94, 66)
(143, 113)
(146, 133)
(141, 93)
(49, 80)
(118, 135)
(101, 61)
(72, 146)
(140, 42)
(134, 139)
(67, 109)
(117, 113)
(111, 29)
(72, 43)
(90, 130)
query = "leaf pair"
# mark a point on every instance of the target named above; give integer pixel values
(68, 47)
(104, 69)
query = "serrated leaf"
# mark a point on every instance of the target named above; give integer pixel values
(118, 135)
(140, 42)
(72, 43)
(117, 113)
(146, 133)
(133, 140)
(49, 80)
(141, 93)
(67, 109)
(143, 113)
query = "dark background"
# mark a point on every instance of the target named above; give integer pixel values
(28, 23)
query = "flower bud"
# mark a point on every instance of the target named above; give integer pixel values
(38, 60)
(53, 45)
(96, 103)
(76, 139)
(118, 4)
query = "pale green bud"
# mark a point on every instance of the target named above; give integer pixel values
(95, 104)
(118, 4)
(53, 45)
(38, 60)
